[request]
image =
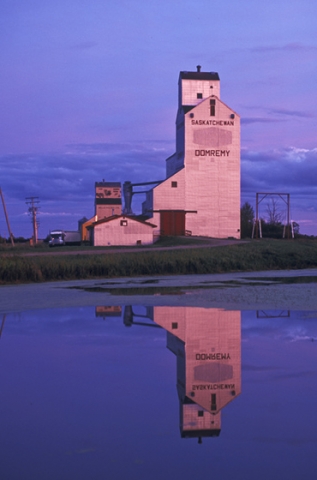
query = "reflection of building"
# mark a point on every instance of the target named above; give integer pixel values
(2, 323)
(104, 311)
(207, 343)
(129, 317)
(273, 314)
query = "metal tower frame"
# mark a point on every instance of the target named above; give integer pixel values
(259, 198)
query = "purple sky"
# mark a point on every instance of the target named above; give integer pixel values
(89, 92)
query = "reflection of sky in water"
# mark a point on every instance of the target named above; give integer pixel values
(87, 397)
(292, 326)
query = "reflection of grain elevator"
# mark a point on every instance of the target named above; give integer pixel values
(207, 344)
(201, 193)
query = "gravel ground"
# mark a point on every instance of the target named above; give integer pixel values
(235, 291)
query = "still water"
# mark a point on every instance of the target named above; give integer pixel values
(132, 392)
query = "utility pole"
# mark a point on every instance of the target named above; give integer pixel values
(32, 201)
(7, 218)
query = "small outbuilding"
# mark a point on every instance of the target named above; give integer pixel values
(85, 230)
(121, 230)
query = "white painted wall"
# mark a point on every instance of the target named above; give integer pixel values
(113, 233)
(167, 197)
(190, 88)
(212, 171)
(209, 183)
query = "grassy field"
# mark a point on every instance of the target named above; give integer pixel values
(254, 256)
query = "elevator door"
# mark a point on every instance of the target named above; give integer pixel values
(172, 222)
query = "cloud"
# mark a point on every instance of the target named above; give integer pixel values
(289, 47)
(74, 172)
(65, 182)
(257, 368)
(60, 214)
(292, 113)
(84, 45)
(251, 120)
(289, 169)
(294, 375)
(275, 115)
(294, 326)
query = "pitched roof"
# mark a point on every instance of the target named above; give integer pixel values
(199, 76)
(125, 217)
(107, 184)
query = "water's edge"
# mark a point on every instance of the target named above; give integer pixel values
(291, 289)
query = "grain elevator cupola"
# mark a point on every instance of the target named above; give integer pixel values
(193, 87)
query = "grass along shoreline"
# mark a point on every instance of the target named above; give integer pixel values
(254, 256)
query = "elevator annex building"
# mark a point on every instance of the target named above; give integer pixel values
(201, 193)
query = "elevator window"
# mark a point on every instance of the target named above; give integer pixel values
(212, 107)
